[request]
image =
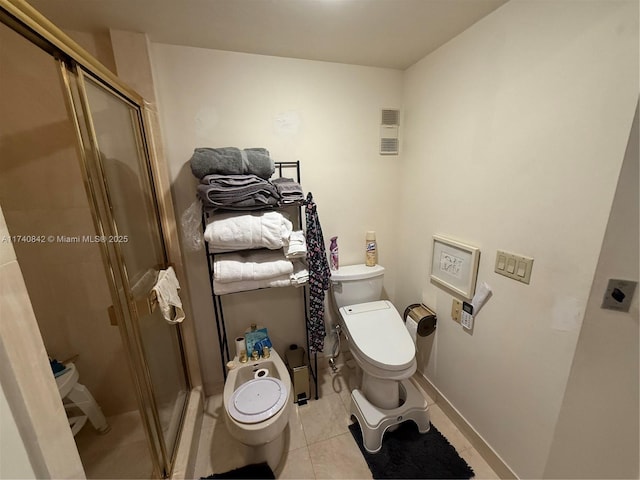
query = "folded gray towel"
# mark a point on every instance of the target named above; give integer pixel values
(237, 192)
(232, 161)
(288, 189)
(234, 180)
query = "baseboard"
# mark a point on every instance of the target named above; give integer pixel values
(185, 461)
(490, 456)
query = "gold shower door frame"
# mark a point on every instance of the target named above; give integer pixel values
(131, 304)
(77, 69)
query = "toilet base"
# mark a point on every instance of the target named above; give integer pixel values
(272, 453)
(262, 441)
(75, 394)
(80, 397)
(375, 421)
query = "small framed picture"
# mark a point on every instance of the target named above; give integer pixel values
(454, 265)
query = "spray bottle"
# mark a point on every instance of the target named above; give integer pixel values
(333, 249)
(371, 249)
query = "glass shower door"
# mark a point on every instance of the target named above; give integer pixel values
(135, 240)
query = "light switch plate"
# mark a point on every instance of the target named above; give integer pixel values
(514, 266)
(619, 294)
(456, 309)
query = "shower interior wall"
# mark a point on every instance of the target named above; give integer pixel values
(43, 194)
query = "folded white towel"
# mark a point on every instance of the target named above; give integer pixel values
(300, 274)
(230, 231)
(250, 265)
(166, 289)
(296, 245)
(243, 286)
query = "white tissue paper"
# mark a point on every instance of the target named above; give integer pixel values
(412, 327)
(483, 292)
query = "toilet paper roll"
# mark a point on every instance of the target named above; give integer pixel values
(240, 345)
(261, 373)
(423, 316)
(412, 327)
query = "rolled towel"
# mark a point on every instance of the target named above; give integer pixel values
(232, 161)
(296, 245)
(250, 265)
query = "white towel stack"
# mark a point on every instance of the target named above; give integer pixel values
(224, 288)
(251, 270)
(251, 265)
(279, 263)
(227, 232)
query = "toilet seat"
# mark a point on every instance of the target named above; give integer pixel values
(379, 335)
(67, 379)
(257, 400)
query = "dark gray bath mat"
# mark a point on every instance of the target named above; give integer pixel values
(255, 471)
(407, 453)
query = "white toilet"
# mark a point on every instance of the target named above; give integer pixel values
(383, 350)
(257, 409)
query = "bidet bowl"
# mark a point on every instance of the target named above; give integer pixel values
(255, 434)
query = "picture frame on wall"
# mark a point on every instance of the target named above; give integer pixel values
(454, 265)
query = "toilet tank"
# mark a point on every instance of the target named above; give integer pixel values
(353, 284)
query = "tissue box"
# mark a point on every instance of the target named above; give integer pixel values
(257, 340)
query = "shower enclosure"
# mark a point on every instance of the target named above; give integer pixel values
(77, 193)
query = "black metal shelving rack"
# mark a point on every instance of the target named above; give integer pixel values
(281, 169)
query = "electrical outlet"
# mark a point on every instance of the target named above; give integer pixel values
(456, 309)
(619, 295)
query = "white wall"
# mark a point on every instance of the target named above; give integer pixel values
(514, 136)
(32, 417)
(325, 115)
(14, 459)
(606, 359)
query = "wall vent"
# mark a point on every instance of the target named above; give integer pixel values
(390, 123)
(390, 117)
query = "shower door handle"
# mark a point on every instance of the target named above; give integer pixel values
(113, 316)
(146, 305)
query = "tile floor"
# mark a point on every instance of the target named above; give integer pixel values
(319, 442)
(122, 452)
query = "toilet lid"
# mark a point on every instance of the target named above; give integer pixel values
(258, 399)
(378, 333)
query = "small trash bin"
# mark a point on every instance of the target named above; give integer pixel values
(295, 359)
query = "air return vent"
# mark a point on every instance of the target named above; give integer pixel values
(390, 117)
(390, 122)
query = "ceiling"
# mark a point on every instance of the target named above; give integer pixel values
(380, 33)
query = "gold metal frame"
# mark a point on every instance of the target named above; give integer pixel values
(104, 249)
(129, 327)
(23, 18)
(133, 305)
